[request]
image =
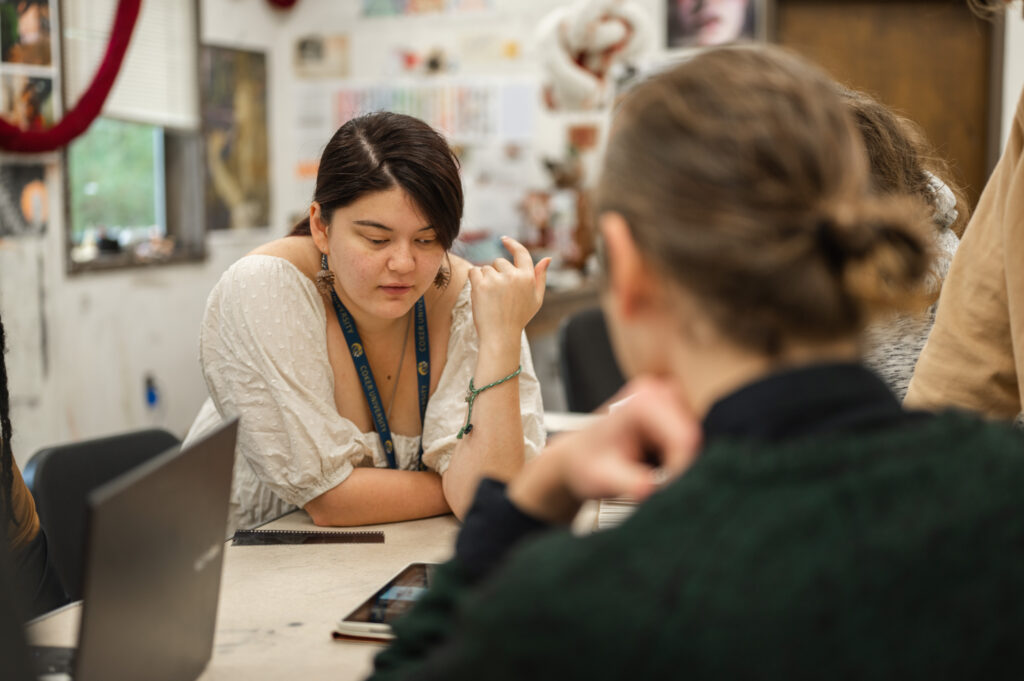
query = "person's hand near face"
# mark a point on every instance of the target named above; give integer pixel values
(617, 456)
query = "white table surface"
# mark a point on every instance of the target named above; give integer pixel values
(278, 604)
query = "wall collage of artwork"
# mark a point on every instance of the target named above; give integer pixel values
(30, 100)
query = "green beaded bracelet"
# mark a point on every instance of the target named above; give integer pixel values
(471, 397)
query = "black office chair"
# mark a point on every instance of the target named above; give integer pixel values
(60, 479)
(590, 374)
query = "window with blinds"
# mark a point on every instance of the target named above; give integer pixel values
(158, 82)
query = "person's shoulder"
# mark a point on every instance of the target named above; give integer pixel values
(299, 251)
(279, 268)
(991, 449)
(265, 289)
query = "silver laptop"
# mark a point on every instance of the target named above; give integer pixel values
(152, 571)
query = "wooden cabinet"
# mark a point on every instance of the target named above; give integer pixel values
(931, 60)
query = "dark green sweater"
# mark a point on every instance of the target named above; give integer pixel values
(894, 554)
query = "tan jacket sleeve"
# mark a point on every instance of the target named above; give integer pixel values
(974, 357)
(24, 526)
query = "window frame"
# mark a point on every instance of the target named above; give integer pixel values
(184, 173)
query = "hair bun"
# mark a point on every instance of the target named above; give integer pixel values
(881, 250)
(829, 243)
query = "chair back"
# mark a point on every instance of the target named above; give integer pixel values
(590, 373)
(60, 479)
(14, 658)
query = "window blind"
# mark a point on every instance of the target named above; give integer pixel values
(158, 82)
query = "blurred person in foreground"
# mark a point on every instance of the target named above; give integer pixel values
(809, 527)
(974, 358)
(37, 586)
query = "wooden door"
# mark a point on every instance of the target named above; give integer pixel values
(930, 60)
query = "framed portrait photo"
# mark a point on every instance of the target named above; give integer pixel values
(234, 116)
(706, 23)
(25, 32)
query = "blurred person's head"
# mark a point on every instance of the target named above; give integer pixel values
(711, 22)
(903, 162)
(737, 215)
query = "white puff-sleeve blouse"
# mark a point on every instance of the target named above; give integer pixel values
(263, 351)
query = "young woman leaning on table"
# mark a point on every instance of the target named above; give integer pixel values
(348, 347)
(809, 527)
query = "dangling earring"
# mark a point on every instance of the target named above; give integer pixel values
(325, 277)
(444, 274)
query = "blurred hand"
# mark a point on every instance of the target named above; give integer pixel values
(617, 456)
(506, 295)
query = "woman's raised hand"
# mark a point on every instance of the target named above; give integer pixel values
(506, 294)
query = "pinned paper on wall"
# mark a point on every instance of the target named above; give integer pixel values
(321, 56)
(484, 50)
(25, 36)
(465, 112)
(26, 101)
(24, 199)
(29, 78)
(389, 8)
(313, 128)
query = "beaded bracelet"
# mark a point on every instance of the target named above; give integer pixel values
(471, 395)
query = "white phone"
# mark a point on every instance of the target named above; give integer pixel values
(373, 618)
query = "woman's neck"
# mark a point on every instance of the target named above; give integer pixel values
(709, 373)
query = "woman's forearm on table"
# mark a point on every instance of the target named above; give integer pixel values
(379, 495)
(495, 445)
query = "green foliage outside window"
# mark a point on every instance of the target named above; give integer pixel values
(113, 173)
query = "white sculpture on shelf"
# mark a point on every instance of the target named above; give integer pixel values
(580, 43)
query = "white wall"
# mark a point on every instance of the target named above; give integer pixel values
(106, 331)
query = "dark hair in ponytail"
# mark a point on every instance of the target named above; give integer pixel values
(379, 151)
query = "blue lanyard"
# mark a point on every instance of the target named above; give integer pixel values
(355, 347)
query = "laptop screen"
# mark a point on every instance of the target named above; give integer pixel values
(153, 565)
